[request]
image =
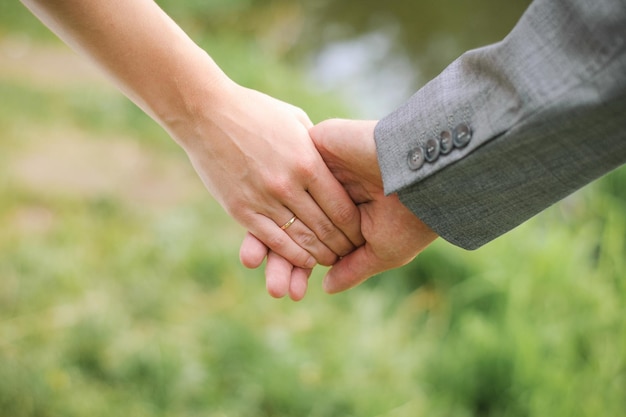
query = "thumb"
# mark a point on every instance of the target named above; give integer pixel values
(327, 131)
(342, 135)
(348, 145)
(351, 270)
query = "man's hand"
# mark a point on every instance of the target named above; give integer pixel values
(393, 234)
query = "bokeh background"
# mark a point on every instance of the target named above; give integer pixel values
(120, 288)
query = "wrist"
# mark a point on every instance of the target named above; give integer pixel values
(189, 101)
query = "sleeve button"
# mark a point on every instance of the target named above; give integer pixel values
(462, 135)
(445, 142)
(432, 150)
(416, 158)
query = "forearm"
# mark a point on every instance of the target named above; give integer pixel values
(545, 108)
(240, 141)
(144, 52)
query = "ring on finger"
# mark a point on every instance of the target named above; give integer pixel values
(289, 223)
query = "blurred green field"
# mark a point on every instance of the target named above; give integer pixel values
(121, 293)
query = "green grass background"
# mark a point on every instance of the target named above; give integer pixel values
(121, 292)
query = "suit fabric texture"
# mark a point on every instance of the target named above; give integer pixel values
(545, 109)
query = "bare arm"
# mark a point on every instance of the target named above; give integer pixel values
(252, 152)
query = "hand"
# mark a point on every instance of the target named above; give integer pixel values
(252, 152)
(256, 157)
(393, 234)
(282, 277)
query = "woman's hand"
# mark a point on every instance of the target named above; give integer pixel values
(281, 277)
(254, 154)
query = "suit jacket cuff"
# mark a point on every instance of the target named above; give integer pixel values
(545, 108)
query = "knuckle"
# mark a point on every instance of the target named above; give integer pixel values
(277, 242)
(308, 168)
(344, 214)
(326, 231)
(301, 114)
(279, 186)
(241, 208)
(307, 238)
(236, 209)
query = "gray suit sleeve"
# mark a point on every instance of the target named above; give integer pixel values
(544, 111)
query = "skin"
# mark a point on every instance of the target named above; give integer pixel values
(394, 236)
(252, 152)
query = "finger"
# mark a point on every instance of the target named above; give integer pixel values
(308, 240)
(351, 270)
(252, 251)
(295, 228)
(277, 275)
(289, 237)
(342, 212)
(325, 234)
(299, 283)
(349, 150)
(280, 242)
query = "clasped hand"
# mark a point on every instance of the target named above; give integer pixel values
(393, 234)
(253, 152)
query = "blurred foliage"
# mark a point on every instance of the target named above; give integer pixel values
(431, 33)
(113, 305)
